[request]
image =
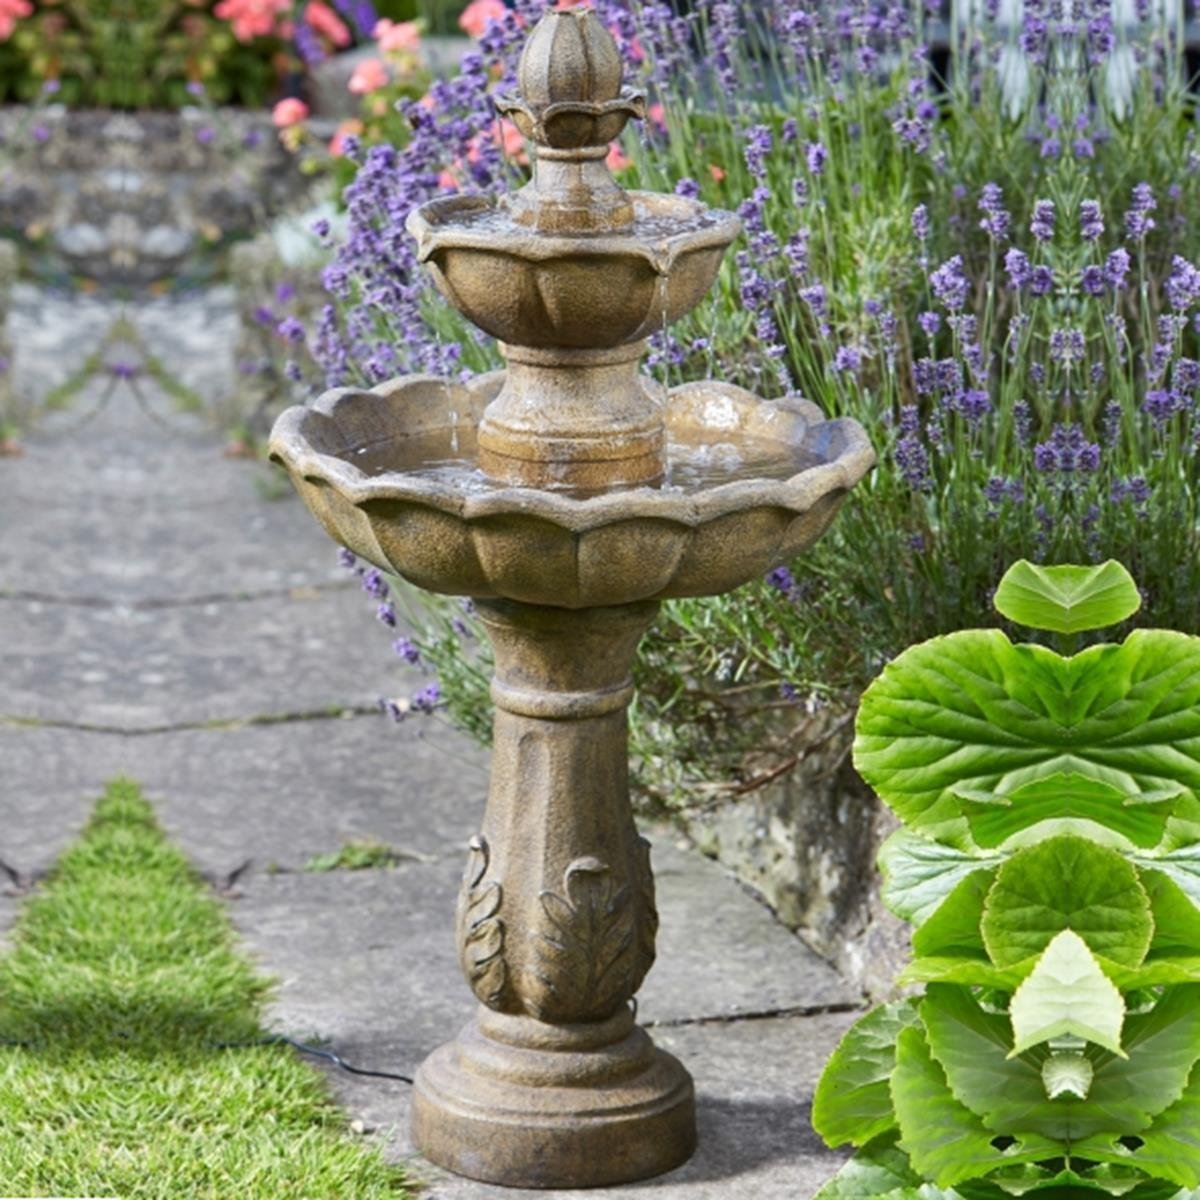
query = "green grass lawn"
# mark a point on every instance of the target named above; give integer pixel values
(122, 978)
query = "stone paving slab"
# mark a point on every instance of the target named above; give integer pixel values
(754, 1084)
(299, 790)
(173, 551)
(368, 930)
(137, 669)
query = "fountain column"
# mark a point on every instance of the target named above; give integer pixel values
(553, 1084)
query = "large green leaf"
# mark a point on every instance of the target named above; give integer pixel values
(1169, 1149)
(879, 1169)
(1065, 802)
(1176, 918)
(852, 1102)
(1067, 599)
(971, 713)
(1067, 883)
(967, 970)
(919, 873)
(953, 929)
(1009, 1093)
(1181, 864)
(946, 1142)
(1067, 994)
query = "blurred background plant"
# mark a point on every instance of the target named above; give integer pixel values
(153, 53)
(983, 254)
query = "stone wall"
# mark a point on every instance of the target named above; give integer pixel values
(806, 844)
(132, 198)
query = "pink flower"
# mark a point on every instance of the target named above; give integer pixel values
(337, 143)
(11, 11)
(507, 136)
(657, 115)
(479, 14)
(249, 18)
(289, 111)
(369, 76)
(617, 159)
(448, 181)
(718, 173)
(325, 21)
(397, 37)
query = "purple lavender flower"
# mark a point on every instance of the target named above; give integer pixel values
(387, 614)
(848, 358)
(949, 283)
(407, 650)
(1023, 420)
(1091, 221)
(426, 699)
(815, 298)
(912, 459)
(1067, 452)
(1138, 221)
(1018, 269)
(1042, 224)
(1183, 284)
(930, 322)
(1041, 281)
(1161, 405)
(816, 156)
(1092, 281)
(996, 218)
(291, 329)
(920, 222)
(374, 584)
(1116, 267)
(759, 143)
(1187, 376)
(783, 581)
(689, 189)
(346, 559)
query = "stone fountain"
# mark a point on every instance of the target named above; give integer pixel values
(568, 496)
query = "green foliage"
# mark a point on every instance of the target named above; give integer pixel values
(1067, 599)
(1050, 861)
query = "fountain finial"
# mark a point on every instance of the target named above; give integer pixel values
(572, 105)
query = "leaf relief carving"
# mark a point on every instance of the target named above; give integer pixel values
(481, 930)
(585, 962)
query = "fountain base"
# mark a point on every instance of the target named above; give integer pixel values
(522, 1103)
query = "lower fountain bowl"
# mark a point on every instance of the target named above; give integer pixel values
(392, 475)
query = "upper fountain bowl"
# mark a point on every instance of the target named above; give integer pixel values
(532, 288)
(392, 474)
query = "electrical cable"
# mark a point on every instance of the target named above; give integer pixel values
(280, 1039)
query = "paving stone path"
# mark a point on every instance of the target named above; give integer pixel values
(160, 618)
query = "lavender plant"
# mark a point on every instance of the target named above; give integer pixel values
(991, 267)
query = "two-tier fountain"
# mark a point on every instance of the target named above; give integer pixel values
(568, 495)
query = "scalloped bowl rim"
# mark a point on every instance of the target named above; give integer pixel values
(290, 447)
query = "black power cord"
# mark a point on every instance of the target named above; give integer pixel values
(280, 1039)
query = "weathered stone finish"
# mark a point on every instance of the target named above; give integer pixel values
(553, 1084)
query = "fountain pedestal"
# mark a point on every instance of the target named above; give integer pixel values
(553, 1085)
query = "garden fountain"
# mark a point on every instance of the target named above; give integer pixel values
(568, 496)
